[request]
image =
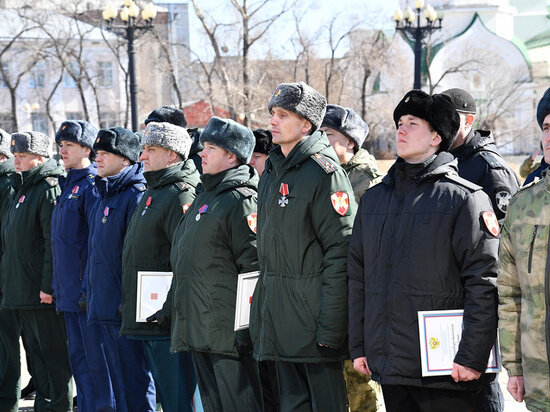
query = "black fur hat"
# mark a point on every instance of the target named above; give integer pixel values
(347, 122)
(437, 110)
(231, 136)
(167, 114)
(77, 131)
(30, 142)
(301, 99)
(119, 141)
(543, 108)
(264, 141)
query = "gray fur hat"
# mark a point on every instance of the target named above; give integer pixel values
(347, 122)
(5, 139)
(543, 108)
(169, 136)
(231, 136)
(77, 131)
(119, 141)
(301, 99)
(167, 114)
(30, 142)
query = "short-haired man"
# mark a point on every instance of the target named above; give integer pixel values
(10, 330)
(346, 132)
(305, 215)
(120, 184)
(27, 269)
(171, 179)
(423, 239)
(214, 243)
(524, 300)
(264, 143)
(478, 158)
(70, 255)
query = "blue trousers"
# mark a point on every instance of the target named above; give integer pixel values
(130, 375)
(174, 376)
(88, 365)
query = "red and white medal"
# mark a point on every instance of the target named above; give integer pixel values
(147, 204)
(105, 214)
(21, 200)
(283, 201)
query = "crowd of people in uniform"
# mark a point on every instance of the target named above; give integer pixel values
(346, 258)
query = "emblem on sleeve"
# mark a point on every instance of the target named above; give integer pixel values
(491, 223)
(502, 199)
(340, 202)
(251, 220)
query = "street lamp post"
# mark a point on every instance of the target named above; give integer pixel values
(404, 22)
(129, 29)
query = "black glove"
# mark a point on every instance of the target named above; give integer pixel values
(164, 322)
(82, 302)
(243, 343)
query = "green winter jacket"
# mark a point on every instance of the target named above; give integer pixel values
(300, 300)
(26, 230)
(148, 239)
(523, 289)
(6, 194)
(363, 172)
(213, 244)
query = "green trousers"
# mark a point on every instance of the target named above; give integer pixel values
(10, 361)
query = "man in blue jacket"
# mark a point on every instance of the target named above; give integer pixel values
(70, 252)
(121, 185)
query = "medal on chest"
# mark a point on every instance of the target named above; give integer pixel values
(105, 214)
(20, 201)
(74, 192)
(201, 211)
(147, 204)
(283, 190)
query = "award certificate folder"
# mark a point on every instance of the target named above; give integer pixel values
(246, 284)
(152, 290)
(440, 334)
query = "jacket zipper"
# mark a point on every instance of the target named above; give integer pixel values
(531, 247)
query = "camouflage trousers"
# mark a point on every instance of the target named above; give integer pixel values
(364, 394)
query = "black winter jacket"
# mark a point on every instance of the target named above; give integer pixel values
(419, 242)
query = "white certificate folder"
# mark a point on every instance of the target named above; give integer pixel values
(246, 284)
(440, 334)
(152, 290)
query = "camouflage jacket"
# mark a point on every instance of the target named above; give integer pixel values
(524, 300)
(362, 172)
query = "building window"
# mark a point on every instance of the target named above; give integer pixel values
(37, 79)
(39, 122)
(6, 68)
(6, 121)
(108, 119)
(105, 74)
(73, 116)
(71, 72)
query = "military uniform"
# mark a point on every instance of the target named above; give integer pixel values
(363, 172)
(523, 292)
(214, 243)
(10, 330)
(480, 163)
(305, 215)
(27, 270)
(147, 247)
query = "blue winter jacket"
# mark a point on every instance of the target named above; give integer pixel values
(119, 196)
(70, 236)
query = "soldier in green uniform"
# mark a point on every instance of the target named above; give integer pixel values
(524, 300)
(305, 215)
(10, 331)
(346, 132)
(213, 244)
(171, 180)
(27, 269)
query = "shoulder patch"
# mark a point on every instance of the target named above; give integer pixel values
(182, 186)
(492, 159)
(324, 162)
(246, 191)
(141, 187)
(91, 179)
(51, 181)
(463, 182)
